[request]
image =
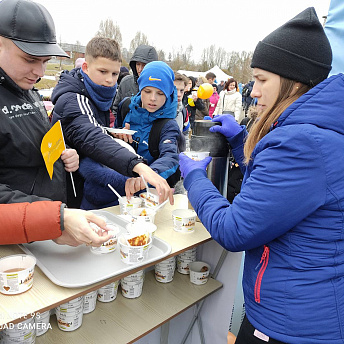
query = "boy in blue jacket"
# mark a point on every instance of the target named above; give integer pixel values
(82, 101)
(157, 99)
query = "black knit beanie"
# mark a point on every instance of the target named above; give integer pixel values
(298, 50)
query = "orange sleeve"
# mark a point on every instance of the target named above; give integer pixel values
(26, 222)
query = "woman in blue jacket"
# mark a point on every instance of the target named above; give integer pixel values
(289, 215)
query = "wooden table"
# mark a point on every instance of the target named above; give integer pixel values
(123, 320)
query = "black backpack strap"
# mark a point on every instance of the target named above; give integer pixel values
(122, 111)
(154, 136)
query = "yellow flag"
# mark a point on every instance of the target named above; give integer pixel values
(52, 146)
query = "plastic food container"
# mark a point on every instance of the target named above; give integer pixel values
(131, 290)
(142, 215)
(90, 301)
(148, 227)
(16, 273)
(184, 220)
(42, 323)
(199, 272)
(151, 198)
(69, 315)
(163, 274)
(21, 333)
(197, 156)
(108, 293)
(110, 245)
(133, 254)
(135, 277)
(127, 205)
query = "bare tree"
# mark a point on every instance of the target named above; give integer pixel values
(139, 39)
(161, 55)
(108, 29)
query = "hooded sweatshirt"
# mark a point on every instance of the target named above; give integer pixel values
(129, 86)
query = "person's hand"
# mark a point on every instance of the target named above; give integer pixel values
(151, 177)
(194, 96)
(133, 185)
(125, 137)
(186, 164)
(77, 229)
(70, 158)
(229, 126)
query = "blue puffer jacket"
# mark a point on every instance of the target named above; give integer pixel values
(141, 120)
(289, 217)
(83, 125)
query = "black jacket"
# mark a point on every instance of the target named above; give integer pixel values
(129, 86)
(24, 122)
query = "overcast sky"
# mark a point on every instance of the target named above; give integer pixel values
(234, 25)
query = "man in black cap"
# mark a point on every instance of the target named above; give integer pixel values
(27, 42)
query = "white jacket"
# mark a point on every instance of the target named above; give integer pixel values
(229, 101)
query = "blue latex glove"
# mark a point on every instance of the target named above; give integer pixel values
(207, 118)
(229, 127)
(186, 165)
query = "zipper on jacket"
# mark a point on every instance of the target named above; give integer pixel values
(263, 265)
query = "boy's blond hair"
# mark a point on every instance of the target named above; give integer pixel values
(103, 47)
(181, 77)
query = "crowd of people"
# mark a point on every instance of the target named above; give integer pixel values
(285, 135)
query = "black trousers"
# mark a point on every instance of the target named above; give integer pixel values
(246, 336)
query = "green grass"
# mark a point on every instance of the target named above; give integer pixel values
(45, 83)
(51, 70)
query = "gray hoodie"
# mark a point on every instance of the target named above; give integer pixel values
(128, 86)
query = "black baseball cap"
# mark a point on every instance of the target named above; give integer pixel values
(30, 27)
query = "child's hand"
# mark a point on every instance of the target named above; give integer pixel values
(70, 159)
(133, 185)
(125, 137)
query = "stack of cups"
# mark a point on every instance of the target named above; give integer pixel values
(184, 259)
(90, 301)
(108, 293)
(164, 271)
(132, 285)
(23, 333)
(69, 315)
(42, 323)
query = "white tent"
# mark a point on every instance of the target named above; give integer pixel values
(220, 75)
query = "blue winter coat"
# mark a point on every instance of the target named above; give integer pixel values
(289, 217)
(83, 125)
(141, 120)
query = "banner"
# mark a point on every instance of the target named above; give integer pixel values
(52, 146)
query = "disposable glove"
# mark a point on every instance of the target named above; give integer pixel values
(229, 126)
(186, 165)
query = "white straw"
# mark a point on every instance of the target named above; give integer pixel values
(144, 181)
(160, 205)
(115, 192)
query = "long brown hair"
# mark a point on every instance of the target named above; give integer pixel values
(262, 125)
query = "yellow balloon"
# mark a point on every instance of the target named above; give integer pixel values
(191, 102)
(205, 91)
